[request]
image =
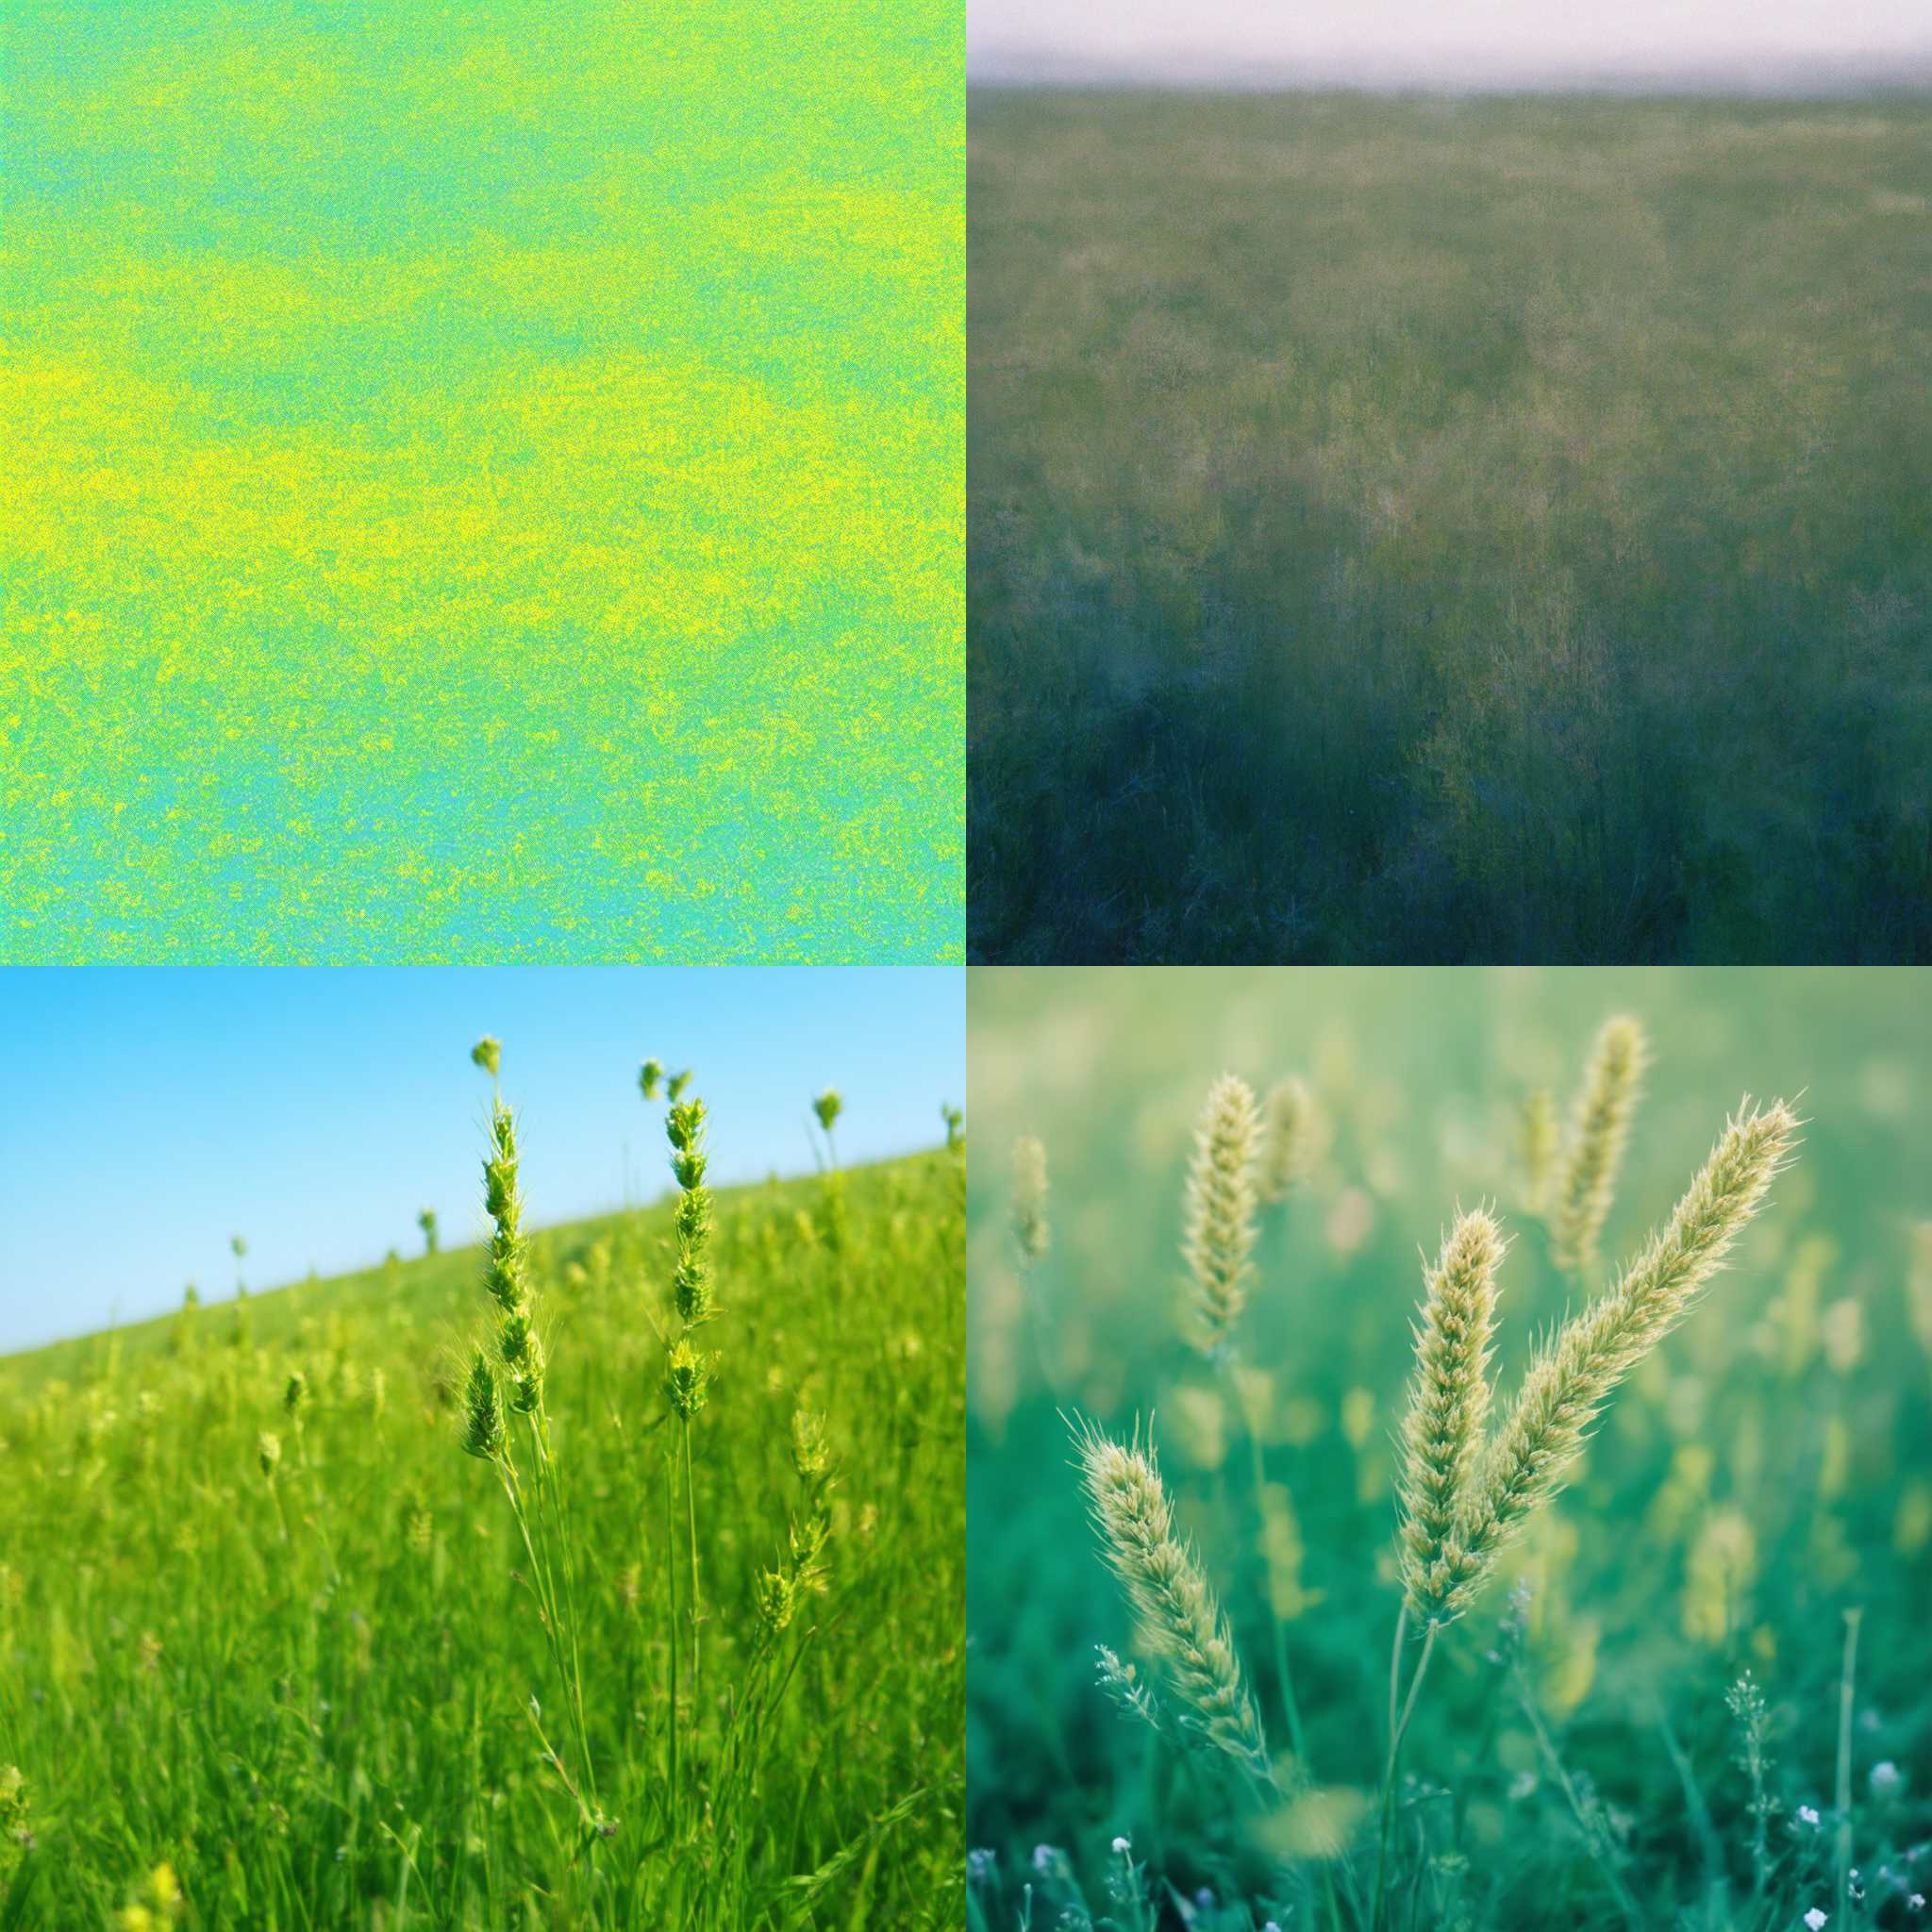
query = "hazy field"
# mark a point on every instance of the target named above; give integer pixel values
(1767, 1470)
(1404, 530)
(271, 1654)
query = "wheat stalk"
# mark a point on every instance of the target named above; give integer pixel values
(688, 1372)
(1220, 1209)
(1599, 1130)
(1179, 1617)
(508, 1376)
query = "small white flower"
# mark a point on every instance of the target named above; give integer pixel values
(1917, 1902)
(1885, 1779)
(1122, 1847)
(1807, 1814)
(1814, 1918)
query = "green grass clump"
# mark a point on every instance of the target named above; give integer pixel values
(275, 1652)
(1409, 530)
(1549, 1601)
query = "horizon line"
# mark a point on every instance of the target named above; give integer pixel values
(1906, 70)
(315, 1279)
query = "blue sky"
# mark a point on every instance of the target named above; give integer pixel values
(150, 1113)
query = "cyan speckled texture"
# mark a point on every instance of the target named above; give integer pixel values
(482, 484)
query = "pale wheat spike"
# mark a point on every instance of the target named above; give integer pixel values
(1599, 1129)
(1180, 1620)
(1598, 1133)
(1287, 1135)
(1448, 1406)
(1538, 1144)
(1565, 1387)
(1220, 1209)
(1032, 1231)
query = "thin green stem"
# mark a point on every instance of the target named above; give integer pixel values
(1400, 1711)
(1277, 1629)
(691, 1518)
(554, 1527)
(1587, 1823)
(1847, 1677)
(671, 1574)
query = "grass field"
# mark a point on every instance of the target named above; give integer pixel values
(1758, 1487)
(1434, 532)
(275, 1653)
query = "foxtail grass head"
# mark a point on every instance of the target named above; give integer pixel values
(483, 1428)
(687, 1378)
(487, 1054)
(1539, 1142)
(513, 1370)
(803, 1572)
(1179, 1617)
(1448, 1403)
(774, 1596)
(505, 1273)
(811, 1454)
(1529, 1458)
(1221, 1210)
(828, 1105)
(684, 1126)
(650, 1078)
(1599, 1132)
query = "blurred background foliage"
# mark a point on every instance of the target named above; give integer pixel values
(1417, 529)
(1770, 1468)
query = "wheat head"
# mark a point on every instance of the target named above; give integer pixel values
(1599, 1131)
(1565, 1387)
(1031, 1229)
(1220, 1209)
(1180, 1618)
(1442, 1435)
(1287, 1139)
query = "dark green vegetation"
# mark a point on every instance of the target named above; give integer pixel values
(1766, 1471)
(309, 1680)
(1430, 531)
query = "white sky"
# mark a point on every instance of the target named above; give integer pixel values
(1459, 41)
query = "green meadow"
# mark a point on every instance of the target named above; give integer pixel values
(1414, 530)
(1690, 1690)
(677, 1644)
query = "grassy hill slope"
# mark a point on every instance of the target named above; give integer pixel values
(306, 1685)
